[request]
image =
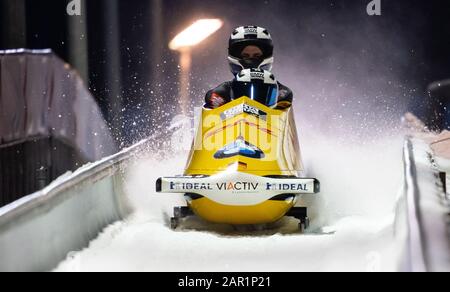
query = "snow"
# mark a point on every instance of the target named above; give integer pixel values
(352, 220)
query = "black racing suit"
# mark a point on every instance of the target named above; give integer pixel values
(223, 94)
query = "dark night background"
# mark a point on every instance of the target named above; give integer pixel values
(342, 64)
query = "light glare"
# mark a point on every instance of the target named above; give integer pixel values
(196, 33)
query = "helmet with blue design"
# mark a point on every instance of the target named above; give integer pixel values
(259, 85)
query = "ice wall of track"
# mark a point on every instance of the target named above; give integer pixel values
(433, 208)
(422, 212)
(407, 227)
(38, 231)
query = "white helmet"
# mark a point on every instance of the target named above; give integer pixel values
(244, 36)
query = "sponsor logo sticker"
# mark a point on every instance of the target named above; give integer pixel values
(240, 186)
(257, 75)
(286, 187)
(251, 30)
(243, 108)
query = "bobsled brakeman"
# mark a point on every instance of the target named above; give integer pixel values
(245, 164)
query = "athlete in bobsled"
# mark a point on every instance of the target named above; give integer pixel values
(249, 47)
(245, 165)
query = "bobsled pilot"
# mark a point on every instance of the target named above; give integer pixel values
(250, 47)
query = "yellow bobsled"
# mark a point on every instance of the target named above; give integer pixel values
(244, 167)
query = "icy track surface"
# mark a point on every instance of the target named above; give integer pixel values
(352, 221)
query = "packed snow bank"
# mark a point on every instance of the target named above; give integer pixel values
(359, 244)
(352, 228)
